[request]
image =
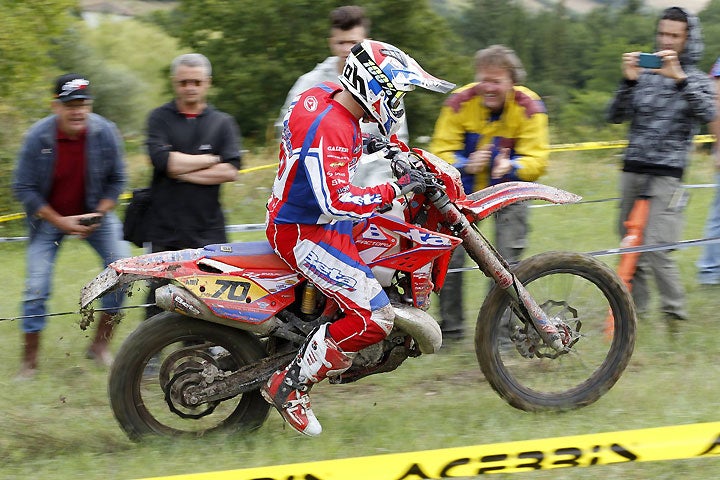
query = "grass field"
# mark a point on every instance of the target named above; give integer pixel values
(59, 426)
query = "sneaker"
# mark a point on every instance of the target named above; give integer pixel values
(295, 408)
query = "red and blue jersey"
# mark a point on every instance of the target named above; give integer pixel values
(320, 149)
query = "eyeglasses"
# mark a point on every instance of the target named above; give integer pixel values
(191, 81)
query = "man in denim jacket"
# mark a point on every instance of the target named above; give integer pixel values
(69, 174)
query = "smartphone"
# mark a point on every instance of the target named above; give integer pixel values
(649, 60)
(87, 221)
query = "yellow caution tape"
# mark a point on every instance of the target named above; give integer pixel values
(574, 147)
(560, 147)
(11, 216)
(646, 445)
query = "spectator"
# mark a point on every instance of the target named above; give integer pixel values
(348, 26)
(709, 263)
(665, 107)
(313, 208)
(493, 131)
(69, 174)
(194, 148)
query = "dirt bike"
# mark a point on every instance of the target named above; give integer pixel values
(235, 313)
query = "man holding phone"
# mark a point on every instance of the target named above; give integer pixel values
(666, 98)
(69, 175)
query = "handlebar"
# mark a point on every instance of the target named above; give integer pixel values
(400, 162)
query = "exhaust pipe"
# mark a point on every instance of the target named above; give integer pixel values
(421, 326)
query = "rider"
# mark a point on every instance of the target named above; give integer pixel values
(313, 206)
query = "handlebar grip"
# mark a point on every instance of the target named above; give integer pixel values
(375, 144)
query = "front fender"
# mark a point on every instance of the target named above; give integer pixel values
(487, 201)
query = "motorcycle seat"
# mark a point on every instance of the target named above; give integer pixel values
(251, 255)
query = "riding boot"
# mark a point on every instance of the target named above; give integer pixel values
(28, 367)
(99, 350)
(288, 389)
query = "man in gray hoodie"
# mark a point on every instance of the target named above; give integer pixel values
(665, 105)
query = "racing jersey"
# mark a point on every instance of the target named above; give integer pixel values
(320, 147)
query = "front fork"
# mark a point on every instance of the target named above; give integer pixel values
(495, 267)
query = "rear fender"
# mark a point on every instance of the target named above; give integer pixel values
(242, 276)
(485, 202)
(162, 265)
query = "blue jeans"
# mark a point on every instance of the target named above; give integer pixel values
(42, 251)
(709, 262)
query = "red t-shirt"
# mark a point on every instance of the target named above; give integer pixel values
(67, 193)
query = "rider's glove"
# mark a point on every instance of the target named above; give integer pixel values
(412, 181)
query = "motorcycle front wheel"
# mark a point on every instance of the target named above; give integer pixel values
(162, 358)
(582, 297)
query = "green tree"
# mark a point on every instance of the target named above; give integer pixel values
(258, 49)
(128, 81)
(710, 21)
(29, 31)
(486, 22)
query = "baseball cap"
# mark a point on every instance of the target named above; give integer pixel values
(72, 86)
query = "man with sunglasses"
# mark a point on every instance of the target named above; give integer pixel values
(194, 148)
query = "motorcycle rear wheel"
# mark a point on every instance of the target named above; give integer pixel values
(165, 353)
(577, 292)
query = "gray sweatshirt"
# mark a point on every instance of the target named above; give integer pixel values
(664, 115)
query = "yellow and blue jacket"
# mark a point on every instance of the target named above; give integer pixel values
(465, 124)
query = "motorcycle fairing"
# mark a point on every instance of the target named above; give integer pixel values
(251, 283)
(242, 297)
(424, 245)
(446, 173)
(485, 202)
(385, 241)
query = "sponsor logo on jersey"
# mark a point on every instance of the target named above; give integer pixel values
(310, 103)
(337, 148)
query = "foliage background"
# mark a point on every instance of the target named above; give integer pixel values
(258, 49)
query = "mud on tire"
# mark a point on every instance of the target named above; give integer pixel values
(166, 348)
(580, 292)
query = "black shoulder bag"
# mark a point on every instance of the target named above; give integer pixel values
(134, 224)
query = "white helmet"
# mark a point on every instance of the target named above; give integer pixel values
(378, 74)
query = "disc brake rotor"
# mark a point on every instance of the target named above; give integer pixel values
(563, 317)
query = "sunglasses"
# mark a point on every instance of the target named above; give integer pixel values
(185, 83)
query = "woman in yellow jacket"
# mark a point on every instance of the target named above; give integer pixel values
(493, 131)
